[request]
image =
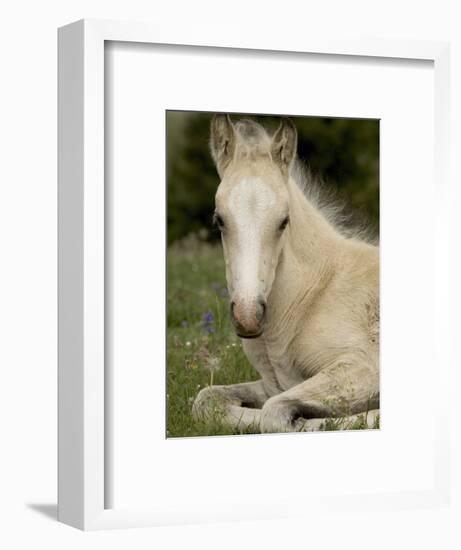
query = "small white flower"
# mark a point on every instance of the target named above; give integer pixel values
(188, 343)
(212, 364)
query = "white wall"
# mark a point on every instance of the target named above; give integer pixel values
(28, 268)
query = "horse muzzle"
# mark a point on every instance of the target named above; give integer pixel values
(248, 317)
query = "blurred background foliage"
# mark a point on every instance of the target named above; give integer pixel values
(344, 152)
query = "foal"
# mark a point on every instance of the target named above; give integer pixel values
(304, 295)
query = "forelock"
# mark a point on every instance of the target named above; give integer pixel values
(252, 140)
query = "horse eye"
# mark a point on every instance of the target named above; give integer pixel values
(219, 221)
(284, 223)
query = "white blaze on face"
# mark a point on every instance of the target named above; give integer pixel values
(249, 204)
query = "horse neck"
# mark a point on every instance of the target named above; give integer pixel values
(307, 259)
(312, 239)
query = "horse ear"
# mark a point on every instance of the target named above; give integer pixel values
(284, 144)
(222, 141)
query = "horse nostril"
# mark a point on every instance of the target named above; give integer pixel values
(232, 305)
(262, 311)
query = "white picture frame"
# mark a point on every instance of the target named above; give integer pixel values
(82, 465)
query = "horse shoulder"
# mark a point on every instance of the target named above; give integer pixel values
(363, 289)
(347, 311)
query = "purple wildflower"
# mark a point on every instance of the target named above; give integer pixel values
(208, 321)
(208, 317)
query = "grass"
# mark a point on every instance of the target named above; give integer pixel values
(202, 348)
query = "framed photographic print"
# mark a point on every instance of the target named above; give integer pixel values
(239, 286)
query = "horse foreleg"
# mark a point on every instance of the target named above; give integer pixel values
(341, 391)
(236, 405)
(365, 420)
